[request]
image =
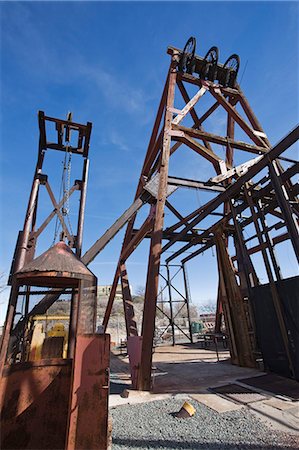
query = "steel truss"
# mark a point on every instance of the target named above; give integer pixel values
(182, 301)
(167, 137)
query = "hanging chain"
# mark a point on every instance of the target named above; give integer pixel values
(65, 189)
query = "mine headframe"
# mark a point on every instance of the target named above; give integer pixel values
(51, 362)
(189, 73)
(71, 138)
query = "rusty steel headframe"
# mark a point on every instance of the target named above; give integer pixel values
(234, 190)
(76, 385)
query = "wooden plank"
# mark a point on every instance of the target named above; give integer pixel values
(184, 182)
(190, 105)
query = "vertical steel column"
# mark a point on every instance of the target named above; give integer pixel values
(8, 324)
(269, 241)
(170, 304)
(187, 295)
(149, 313)
(82, 202)
(73, 324)
(226, 309)
(21, 257)
(249, 273)
(229, 158)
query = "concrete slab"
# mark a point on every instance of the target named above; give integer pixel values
(144, 397)
(282, 405)
(279, 420)
(216, 403)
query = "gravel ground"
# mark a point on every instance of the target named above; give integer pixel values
(153, 426)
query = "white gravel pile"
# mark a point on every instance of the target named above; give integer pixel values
(153, 426)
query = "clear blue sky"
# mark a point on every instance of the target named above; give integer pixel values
(107, 62)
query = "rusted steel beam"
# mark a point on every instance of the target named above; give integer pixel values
(30, 213)
(290, 220)
(234, 189)
(101, 243)
(12, 302)
(188, 299)
(220, 140)
(186, 219)
(152, 150)
(41, 228)
(137, 237)
(148, 323)
(82, 203)
(269, 241)
(276, 240)
(187, 99)
(247, 269)
(208, 113)
(200, 239)
(199, 251)
(274, 292)
(171, 321)
(126, 252)
(251, 116)
(178, 215)
(59, 214)
(253, 134)
(201, 150)
(170, 235)
(131, 325)
(151, 154)
(111, 298)
(237, 323)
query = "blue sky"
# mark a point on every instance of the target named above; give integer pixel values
(106, 62)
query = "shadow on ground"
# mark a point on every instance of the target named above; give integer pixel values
(176, 445)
